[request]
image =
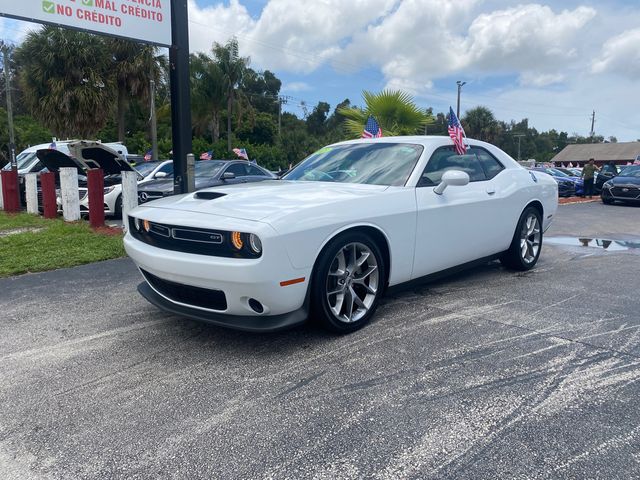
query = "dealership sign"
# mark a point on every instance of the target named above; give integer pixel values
(143, 20)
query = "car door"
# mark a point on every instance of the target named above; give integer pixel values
(255, 174)
(240, 172)
(464, 223)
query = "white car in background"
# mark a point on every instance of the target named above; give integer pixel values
(346, 223)
(113, 193)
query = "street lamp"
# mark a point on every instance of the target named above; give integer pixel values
(460, 84)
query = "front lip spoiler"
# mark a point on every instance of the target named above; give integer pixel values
(246, 323)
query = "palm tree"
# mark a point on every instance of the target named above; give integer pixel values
(65, 78)
(480, 123)
(395, 112)
(233, 67)
(134, 66)
(208, 93)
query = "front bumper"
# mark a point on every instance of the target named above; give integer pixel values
(241, 280)
(247, 323)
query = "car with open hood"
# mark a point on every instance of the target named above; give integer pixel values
(624, 187)
(84, 155)
(346, 223)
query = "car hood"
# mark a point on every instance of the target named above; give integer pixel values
(84, 156)
(165, 185)
(268, 199)
(621, 180)
(53, 160)
(98, 155)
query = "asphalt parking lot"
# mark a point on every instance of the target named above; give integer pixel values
(489, 374)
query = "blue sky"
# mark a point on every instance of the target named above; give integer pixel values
(550, 61)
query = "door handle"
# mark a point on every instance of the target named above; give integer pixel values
(491, 190)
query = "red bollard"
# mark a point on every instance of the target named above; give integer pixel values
(95, 182)
(48, 187)
(10, 192)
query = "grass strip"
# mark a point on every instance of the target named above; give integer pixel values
(56, 245)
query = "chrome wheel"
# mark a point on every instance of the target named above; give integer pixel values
(352, 282)
(530, 238)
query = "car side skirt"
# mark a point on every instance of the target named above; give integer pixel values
(432, 277)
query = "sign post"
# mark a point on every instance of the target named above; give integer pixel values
(180, 93)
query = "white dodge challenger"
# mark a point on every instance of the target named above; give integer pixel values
(349, 221)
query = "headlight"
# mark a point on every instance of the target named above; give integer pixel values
(255, 244)
(247, 243)
(608, 184)
(110, 189)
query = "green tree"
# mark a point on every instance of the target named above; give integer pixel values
(233, 68)
(66, 80)
(480, 123)
(317, 120)
(208, 93)
(395, 112)
(134, 66)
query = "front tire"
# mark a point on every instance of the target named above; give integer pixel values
(118, 207)
(526, 245)
(348, 282)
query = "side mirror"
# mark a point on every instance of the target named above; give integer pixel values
(160, 175)
(456, 178)
(228, 176)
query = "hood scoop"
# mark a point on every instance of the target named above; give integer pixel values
(208, 195)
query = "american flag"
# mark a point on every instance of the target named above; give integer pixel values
(241, 153)
(206, 155)
(372, 129)
(148, 156)
(456, 132)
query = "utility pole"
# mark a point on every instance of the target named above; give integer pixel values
(519, 137)
(7, 84)
(154, 121)
(593, 121)
(279, 116)
(460, 84)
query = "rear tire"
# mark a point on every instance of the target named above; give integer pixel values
(526, 244)
(118, 207)
(348, 282)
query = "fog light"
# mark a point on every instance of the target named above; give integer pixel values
(255, 305)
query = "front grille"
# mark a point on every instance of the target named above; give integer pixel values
(145, 196)
(199, 241)
(82, 192)
(631, 192)
(186, 294)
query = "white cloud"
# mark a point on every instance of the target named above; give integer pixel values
(517, 38)
(217, 23)
(535, 79)
(620, 54)
(296, 87)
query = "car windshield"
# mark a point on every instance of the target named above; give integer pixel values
(364, 163)
(208, 168)
(556, 173)
(23, 160)
(146, 168)
(632, 171)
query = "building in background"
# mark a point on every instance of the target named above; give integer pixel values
(579, 154)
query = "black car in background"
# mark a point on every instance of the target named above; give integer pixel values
(624, 187)
(209, 173)
(606, 173)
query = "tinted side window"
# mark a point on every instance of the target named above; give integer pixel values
(446, 158)
(253, 170)
(168, 169)
(489, 163)
(239, 169)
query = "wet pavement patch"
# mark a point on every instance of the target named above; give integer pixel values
(595, 243)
